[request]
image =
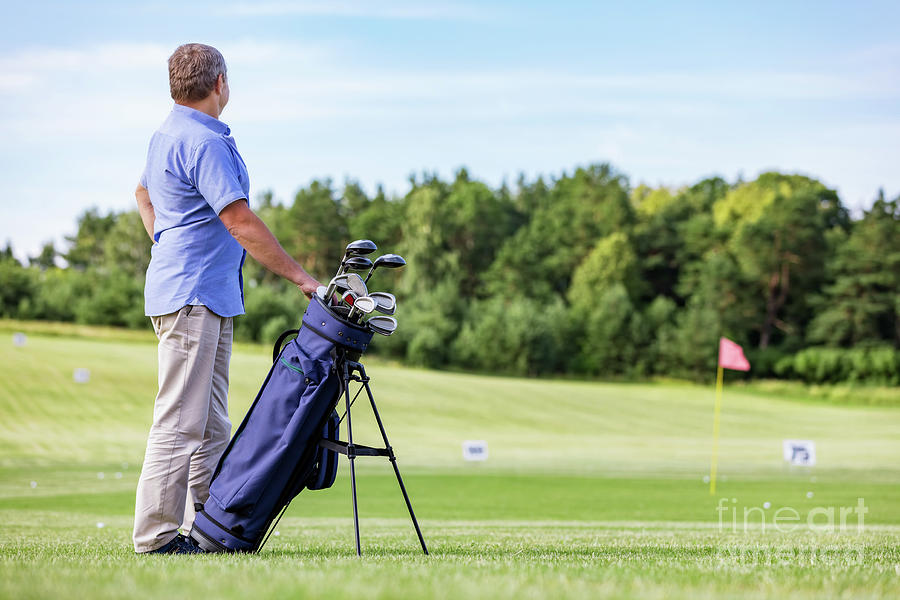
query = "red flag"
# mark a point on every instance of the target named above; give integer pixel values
(731, 356)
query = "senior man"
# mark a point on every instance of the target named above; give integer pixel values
(192, 199)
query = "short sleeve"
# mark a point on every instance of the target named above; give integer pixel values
(215, 175)
(143, 179)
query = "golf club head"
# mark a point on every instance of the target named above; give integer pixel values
(357, 263)
(348, 298)
(356, 248)
(348, 281)
(363, 305)
(382, 324)
(388, 261)
(320, 291)
(387, 303)
(360, 247)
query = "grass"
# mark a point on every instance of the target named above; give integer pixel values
(591, 489)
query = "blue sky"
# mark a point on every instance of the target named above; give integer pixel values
(667, 92)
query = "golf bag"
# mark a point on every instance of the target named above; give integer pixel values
(275, 452)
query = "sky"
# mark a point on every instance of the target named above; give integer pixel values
(667, 92)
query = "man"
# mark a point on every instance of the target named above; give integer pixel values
(193, 201)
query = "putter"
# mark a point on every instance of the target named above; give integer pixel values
(389, 261)
(382, 324)
(387, 303)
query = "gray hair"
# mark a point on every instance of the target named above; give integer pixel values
(193, 71)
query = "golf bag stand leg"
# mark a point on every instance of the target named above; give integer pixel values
(391, 457)
(351, 450)
(348, 370)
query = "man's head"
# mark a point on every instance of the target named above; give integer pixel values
(197, 72)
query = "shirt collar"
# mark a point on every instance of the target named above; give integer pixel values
(203, 118)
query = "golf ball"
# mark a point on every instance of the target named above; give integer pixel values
(706, 479)
(100, 475)
(809, 494)
(34, 484)
(101, 525)
(118, 476)
(767, 505)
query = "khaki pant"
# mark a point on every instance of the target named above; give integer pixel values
(190, 423)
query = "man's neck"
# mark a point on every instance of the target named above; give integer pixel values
(209, 106)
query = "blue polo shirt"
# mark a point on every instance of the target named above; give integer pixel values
(193, 171)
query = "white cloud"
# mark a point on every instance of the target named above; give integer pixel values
(359, 9)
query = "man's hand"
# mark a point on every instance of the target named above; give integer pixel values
(251, 233)
(309, 289)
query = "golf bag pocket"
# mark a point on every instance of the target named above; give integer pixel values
(257, 454)
(325, 469)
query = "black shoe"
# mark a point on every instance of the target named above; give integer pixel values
(179, 545)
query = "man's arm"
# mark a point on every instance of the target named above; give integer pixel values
(251, 233)
(148, 216)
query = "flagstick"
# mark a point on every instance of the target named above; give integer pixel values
(715, 452)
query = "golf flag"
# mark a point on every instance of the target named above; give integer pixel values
(731, 356)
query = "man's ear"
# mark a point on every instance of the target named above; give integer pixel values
(220, 83)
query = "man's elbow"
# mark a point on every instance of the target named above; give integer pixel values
(236, 229)
(237, 218)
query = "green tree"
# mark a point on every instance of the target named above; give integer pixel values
(126, 246)
(381, 220)
(518, 336)
(541, 257)
(610, 333)
(718, 306)
(673, 232)
(87, 244)
(612, 261)
(46, 258)
(17, 285)
(115, 298)
(315, 231)
(862, 304)
(453, 231)
(780, 225)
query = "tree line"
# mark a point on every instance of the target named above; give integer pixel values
(579, 274)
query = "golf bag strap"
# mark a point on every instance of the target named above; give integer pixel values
(276, 350)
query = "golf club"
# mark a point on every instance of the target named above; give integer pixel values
(355, 263)
(356, 248)
(364, 305)
(389, 261)
(387, 303)
(382, 324)
(350, 281)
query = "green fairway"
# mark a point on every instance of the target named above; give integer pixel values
(591, 489)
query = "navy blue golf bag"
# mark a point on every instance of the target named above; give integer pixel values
(275, 452)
